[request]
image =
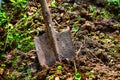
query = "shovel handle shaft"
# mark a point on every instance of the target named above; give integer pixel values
(47, 16)
(49, 24)
(46, 13)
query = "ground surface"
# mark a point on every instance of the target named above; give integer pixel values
(96, 38)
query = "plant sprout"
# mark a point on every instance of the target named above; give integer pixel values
(59, 67)
(77, 76)
(54, 4)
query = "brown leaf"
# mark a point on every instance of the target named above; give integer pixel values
(1, 71)
(117, 38)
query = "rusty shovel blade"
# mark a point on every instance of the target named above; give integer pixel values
(45, 52)
(63, 45)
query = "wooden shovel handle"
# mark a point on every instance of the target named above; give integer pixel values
(49, 24)
(46, 14)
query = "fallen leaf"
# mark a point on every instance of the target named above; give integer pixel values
(117, 38)
(1, 71)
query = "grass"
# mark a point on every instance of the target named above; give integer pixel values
(19, 34)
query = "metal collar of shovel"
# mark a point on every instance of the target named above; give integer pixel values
(52, 45)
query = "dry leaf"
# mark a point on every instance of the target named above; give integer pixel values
(1, 71)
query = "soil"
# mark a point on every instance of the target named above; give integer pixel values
(97, 45)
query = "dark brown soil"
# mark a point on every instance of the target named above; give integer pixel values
(97, 45)
(94, 59)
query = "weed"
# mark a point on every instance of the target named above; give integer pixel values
(116, 25)
(113, 2)
(21, 4)
(14, 75)
(102, 13)
(75, 4)
(78, 18)
(105, 14)
(64, 4)
(18, 34)
(27, 78)
(113, 6)
(3, 17)
(90, 74)
(75, 29)
(70, 9)
(54, 4)
(59, 67)
(28, 70)
(92, 9)
(51, 77)
(78, 76)
(3, 55)
(19, 39)
(114, 50)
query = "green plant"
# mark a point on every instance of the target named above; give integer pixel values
(77, 76)
(27, 78)
(92, 9)
(22, 39)
(90, 74)
(113, 2)
(116, 25)
(3, 55)
(58, 71)
(3, 17)
(28, 70)
(115, 49)
(64, 4)
(15, 37)
(78, 18)
(59, 67)
(119, 15)
(75, 29)
(19, 3)
(51, 77)
(14, 75)
(104, 13)
(54, 4)
(70, 9)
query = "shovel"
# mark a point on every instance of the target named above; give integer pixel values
(53, 45)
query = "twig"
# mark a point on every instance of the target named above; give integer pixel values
(56, 22)
(75, 66)
(79, 50)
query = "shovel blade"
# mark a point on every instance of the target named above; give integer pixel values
(45, 53)
(64, 46)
